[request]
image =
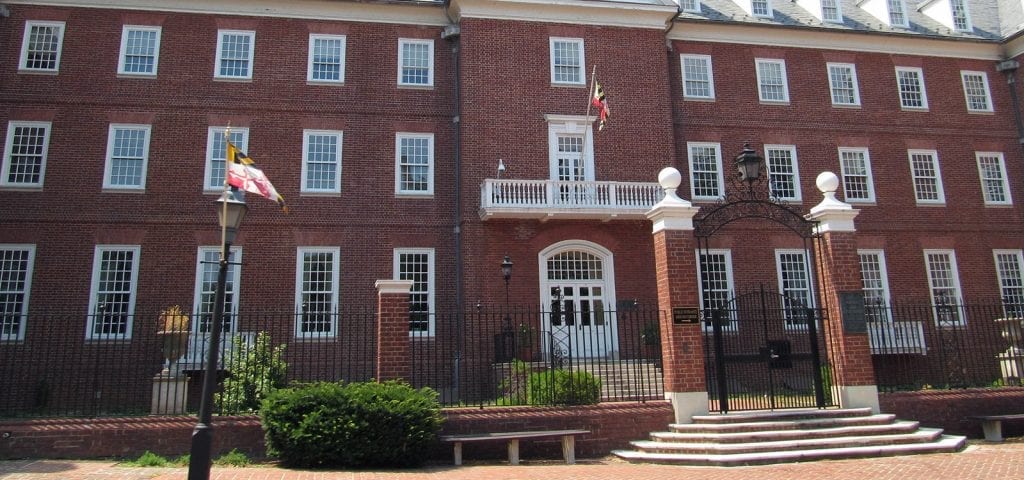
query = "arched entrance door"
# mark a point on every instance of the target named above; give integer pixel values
(577, 287)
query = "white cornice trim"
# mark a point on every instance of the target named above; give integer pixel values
(823, 38)
(1014, 47)
(401, 13)
(393, 286)
(653, 14)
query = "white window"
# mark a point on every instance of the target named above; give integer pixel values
(783, 173)
(855, 164)
(25, 154)
(41, 47)
(831, 12)
(698, 80)
(795, 285)
(417, 264)
(716, 283)
(568, 159)
(875, 283)
(842, 81)
(415, 62)
(771, 80)
(1011, 281)
(961, 20)
(911, 87)
(115, 272)
(924, 168)
(234, 54)
(216, 152)
(897, 13)
(761, 8)
(127, 157)
(690, 5)
(567, 61)
(944, 287)
(326, 59)
(706, 182)
(995, 188)
(140, 51)
(414, 164)
(316, 292)
(321, 165)
(207, 269)
(976, 91)
(16, 262)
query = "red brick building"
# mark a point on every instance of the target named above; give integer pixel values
(428, 140)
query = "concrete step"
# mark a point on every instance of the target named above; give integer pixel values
(797, 423)
(777, 415)
(897, 427)
(943, 444)
(920, 436)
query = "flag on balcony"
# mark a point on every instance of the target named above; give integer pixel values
(243, 173)
(601, 103)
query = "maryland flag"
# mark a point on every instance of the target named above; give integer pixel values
(242, 173)
(601, 103)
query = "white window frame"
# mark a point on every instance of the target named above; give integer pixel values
(687, 93)
(339, 138)
(690, 6)
(311, 59)
(97, 262)
(8, 152)
(969, 25)
(732, 324)
(795, 323)
(1011, 290)
(768, 13)
(920, 84)
(794, 174)
(123, 55)
(868, 180)
(837, 4)
(23, 58)
(942, 319)
(903, 13)
(882, 287)
(108, 167)
(431, 286)
(937, 178)
(1001, 183)
(399, 191)
(234, 281)
(17, 335)
(582, 60)
(719, 174)
(336, 289)
(851, 70)
(967, 96)
(221, 35)
(220, 154)
(402, 42)
(570, 126)
(759, 64)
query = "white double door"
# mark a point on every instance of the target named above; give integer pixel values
(579, 322)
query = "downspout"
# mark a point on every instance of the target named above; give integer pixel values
(670, 53)
(1009, 68)
(451, 33)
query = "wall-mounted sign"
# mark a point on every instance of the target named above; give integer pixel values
(684, 315)
(851, 304)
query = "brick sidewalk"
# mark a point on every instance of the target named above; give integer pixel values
(979, 460)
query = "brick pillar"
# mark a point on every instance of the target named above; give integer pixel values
(393, 361)
(854, 383)
(676, 268)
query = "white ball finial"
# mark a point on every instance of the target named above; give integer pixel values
(827, 182)
(669, 178)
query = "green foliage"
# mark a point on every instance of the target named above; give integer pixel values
(234, 458)
(562, 387)
(357, 425)
(148, 459)
(182, 461)
(254, 371)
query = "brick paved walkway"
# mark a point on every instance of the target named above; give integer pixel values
(1004, 461)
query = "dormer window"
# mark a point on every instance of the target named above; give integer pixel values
(897, 13)
(951, 13)
(827, 11)
(892, 12)
(756, 8)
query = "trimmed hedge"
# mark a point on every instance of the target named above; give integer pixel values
(562, 387)
(351, 425)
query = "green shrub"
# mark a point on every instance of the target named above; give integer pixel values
(562, 387)
(255, 371)
(148, 459)
(351, 425)
(234, 458)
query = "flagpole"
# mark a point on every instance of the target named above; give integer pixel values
(224, 227)
(590, 123)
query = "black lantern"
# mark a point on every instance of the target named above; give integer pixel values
(749, 163)
(506, 268)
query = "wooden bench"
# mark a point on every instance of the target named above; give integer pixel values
(568, 442)
(992, 425)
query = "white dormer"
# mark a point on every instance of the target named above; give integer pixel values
(756, 8)
(891, 12)
(692, 6)
(828, 11)
(951, 13)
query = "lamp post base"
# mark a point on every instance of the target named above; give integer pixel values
(199, 457)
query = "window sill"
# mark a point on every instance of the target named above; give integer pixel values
(848, 106)
(320, 194)
(862, 203)
(914, 109)
(784, 103)
(136, 191)
(141, 76)
(233, 79)
(326, 83)
(930, 204)
(413, 195)
(21, 188)
(402, 86)
(699, 99)
(999, 205)
(981, 112)
(38, 72)
(568, 85)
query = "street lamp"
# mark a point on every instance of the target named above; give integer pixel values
(506, 272)
(230, 212)
(749, 163)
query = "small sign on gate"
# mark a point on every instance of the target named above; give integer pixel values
(852, 308)
(684, 315)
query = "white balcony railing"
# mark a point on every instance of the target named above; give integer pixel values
(887, 338)
(546, 199)
(199, 346)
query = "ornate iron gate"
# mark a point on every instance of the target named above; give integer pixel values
(763, 351)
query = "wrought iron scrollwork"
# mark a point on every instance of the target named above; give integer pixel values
(744, 200)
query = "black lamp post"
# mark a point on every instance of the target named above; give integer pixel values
(749, 163)
(506, 273)
(230, 212)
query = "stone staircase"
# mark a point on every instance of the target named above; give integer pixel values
(623, 380)
(757, 438)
